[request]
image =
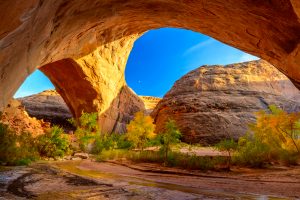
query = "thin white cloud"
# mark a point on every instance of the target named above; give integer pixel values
(198, 46)
(247, 57)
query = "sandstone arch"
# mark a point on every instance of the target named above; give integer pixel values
(35, 33)
(96, 83)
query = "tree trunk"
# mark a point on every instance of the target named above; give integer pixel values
(229, 160)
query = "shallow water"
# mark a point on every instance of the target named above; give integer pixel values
(138, 183)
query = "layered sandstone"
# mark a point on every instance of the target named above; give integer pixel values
(83, 45)
(49, 106)
(215, 102)
(150, 103)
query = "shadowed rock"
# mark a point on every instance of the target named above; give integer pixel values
(49, 106)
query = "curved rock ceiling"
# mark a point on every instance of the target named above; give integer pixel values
(83, 45)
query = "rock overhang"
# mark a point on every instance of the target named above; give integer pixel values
(98, 36)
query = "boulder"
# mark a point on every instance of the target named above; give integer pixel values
(81, 155)
(215, 102)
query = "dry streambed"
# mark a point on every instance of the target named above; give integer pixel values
(90, 180)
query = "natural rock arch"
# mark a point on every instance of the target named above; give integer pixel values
(93, 38)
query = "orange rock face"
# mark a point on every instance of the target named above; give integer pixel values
(150, 103)
(96, 83)
(83, 45)
(15, 116)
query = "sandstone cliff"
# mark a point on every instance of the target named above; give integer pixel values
(89, 41)
(214, 102)
(50, 106)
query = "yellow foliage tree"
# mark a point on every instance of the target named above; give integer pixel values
(278, 129)
(140, 129)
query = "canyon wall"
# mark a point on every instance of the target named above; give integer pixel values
(50, 106)
(83, 45)
(215, 102)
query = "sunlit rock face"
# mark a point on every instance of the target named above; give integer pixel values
(92, 82)
(83, 45)
(216, 102)
(96, 83)
(49, 106)
(150, 103)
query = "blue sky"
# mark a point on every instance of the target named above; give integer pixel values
(158, 59)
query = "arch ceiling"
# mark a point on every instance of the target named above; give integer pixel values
(85, 44)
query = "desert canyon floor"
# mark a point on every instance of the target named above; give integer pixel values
(87, 179)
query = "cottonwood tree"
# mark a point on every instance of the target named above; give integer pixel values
(140, 130)
(278, 128)
(170, 136)
(228, 145)
(86, 129)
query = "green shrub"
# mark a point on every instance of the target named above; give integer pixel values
(8, 140)
(16, 149)
(102, 142)
(84, 139)
(123, 142)
(192, 162)
(97, 145)
(287, 158)
(53, 143)
(86, 130)
(252, 152)
(156, 141)
(170, 136)
(146, 156)
(175, 159)
(228, 145)
(110, 141)
(23, 161)
(119, 141)
(87, 121)
(114, 154)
